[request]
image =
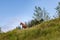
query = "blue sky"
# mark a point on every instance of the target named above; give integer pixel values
(12, 12)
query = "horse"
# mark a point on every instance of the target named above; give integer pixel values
(23, 25)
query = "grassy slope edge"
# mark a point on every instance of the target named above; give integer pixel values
(49, 30)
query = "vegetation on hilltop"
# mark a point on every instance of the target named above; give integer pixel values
(49, 30)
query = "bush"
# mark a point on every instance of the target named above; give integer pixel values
(34, 22)
(18, 27)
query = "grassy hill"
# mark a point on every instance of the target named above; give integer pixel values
(49, 30)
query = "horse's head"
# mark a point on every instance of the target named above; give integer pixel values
(21, 23)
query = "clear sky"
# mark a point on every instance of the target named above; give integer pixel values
(12, 12)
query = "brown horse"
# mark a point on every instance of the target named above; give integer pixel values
(23, 25)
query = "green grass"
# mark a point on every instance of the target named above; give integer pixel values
(49, 30)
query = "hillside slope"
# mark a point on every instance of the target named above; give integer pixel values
(49, 30)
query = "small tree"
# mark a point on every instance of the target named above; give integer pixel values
(0, 29)
(45, 15)
(29, 24)
(39, 16)
(38, 13)
(58, 9)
